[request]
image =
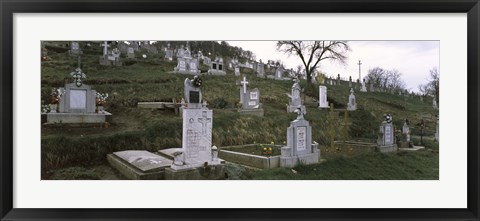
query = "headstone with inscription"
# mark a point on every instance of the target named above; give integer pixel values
(300, 149)
(386, 137)
(77, 103)
(217, 67)
(279, 73)
(260, 69)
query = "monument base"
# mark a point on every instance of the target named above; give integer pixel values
(321, 106)
(209, 172)
(293, 161)
(388, 148)
(291, 109)
(71, 118)
(257, 112)
(139, 164)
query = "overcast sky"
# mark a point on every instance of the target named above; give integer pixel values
(413, 59)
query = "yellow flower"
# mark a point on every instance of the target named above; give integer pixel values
(270, 148)
(264, 148)
(273, 142)
(284, 142)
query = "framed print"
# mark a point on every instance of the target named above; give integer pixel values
(239, 110)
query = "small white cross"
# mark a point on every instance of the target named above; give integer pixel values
(244, 83)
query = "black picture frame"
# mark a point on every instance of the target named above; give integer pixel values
(9, 7)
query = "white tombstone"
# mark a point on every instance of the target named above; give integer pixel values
(364, 88)
(352, 103)
(434, 105)
(300, 149)
(295, 100)
(322, 97)
(386, 138)
(237, 71)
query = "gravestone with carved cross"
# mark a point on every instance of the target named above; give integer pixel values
(300, 148)
(197, 129)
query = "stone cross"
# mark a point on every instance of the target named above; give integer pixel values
(244, 83)
(204, 120)
(105, 47)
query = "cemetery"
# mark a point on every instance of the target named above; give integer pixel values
(150, 122)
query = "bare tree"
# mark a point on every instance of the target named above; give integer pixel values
(313, 52)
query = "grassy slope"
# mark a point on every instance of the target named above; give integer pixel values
(148, 80)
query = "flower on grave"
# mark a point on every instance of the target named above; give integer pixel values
(101, 99)
(45, 108)
(272, 142)
(56, 95)
(197, 81)
(284, 142)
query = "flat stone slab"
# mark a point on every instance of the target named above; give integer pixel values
(414, 148)
(143, 160)
(168, 153)
(77, 117)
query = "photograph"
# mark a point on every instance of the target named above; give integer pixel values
(240, 110)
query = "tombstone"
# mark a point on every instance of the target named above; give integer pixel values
(77, 103)
(294, 99)
(322, 97)
(217, 67)
(196, 152)
(352, 103)
(434, 105)
(180, 52)
(122, 47)
(207, 61)
(237, 71)
(364, 88)
(112, 58)
(386, 137)
(372, 89)
(168, 54)
(260, 69)
(279, 73)
(134, 45)
(187, 65)
(299, 150)
(250, 100)
(406, 142)
(75, 49)
(131, 53)
(436, 130)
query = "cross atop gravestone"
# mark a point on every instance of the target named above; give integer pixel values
(78, 76)
(105, 47)
(244, 83)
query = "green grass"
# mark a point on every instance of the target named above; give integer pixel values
(149, 80)
(420, 165)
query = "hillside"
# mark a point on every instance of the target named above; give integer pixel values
(148, 79)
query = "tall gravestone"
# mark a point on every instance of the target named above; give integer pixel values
(386, 137)
(250, 100)
(437, 131)
(294, 99)
(322, 97)
(352, 102)
(434, 105)
(405, 142)
(237, 71)
(130, 53)
(196, 149)
(260, 69)
(299, 149)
